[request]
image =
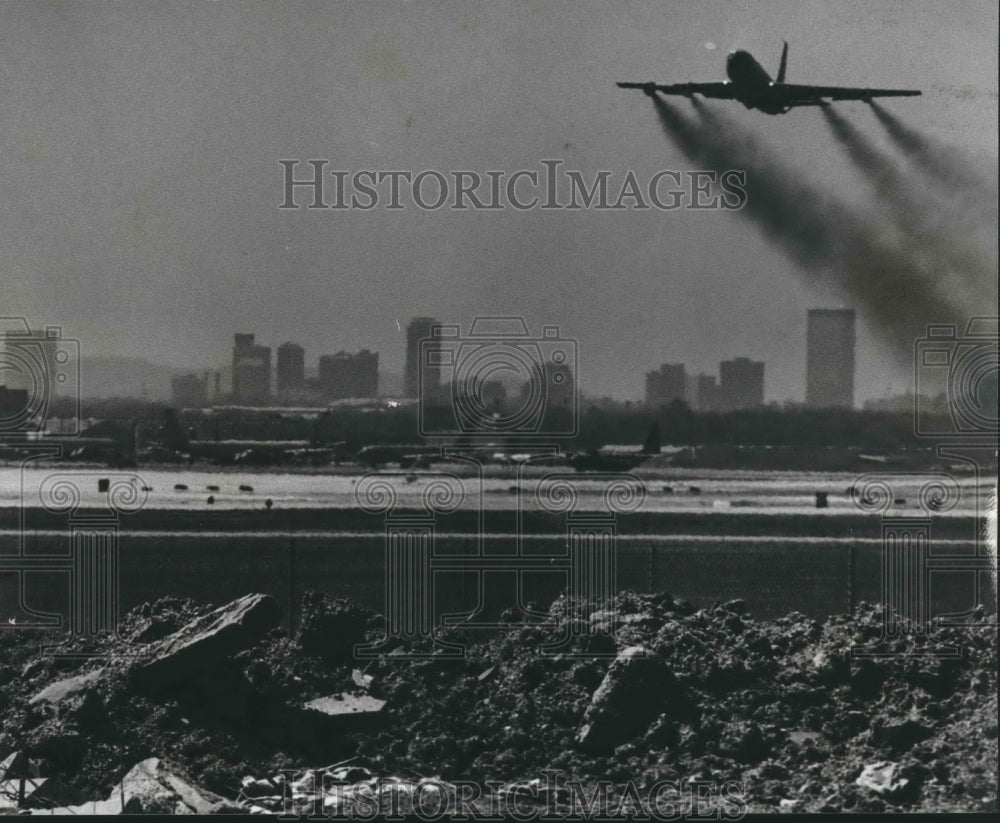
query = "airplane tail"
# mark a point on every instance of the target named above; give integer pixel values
(784, 64)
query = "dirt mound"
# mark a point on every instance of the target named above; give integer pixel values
(807, 715)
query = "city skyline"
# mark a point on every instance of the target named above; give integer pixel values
(739, 383)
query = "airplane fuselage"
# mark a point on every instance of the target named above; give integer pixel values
(752, 85)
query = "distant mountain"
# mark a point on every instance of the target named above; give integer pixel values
(102, 377)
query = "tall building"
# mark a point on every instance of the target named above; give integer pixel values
(291, 371)
(741, 384)
(418, 329)
(666, 384)
(703, 392)
(251, 372)
(344, 375)
(830, 358)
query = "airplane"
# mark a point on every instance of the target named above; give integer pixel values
(406, 455)
(751, 85)
(610, 458)
(606, 460)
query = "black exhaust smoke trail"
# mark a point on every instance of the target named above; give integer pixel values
(942, 163)
(898, 291)
(938, 229)
(806, 235)
(883, 174)
(951, 279)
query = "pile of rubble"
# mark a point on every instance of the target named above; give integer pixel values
(196, 709)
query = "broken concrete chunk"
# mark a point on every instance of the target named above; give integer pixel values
(342, 704)
(151, 787)
(254, 788)
(341, 713)
(637, 688)
(883, 779)
(361, 679)
(16, 765)
(61, 690)
(34, 793)
(610, 621)
(805, 738)
(204, 642)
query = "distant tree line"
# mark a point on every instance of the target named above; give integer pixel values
(597, 425)
(767, 426)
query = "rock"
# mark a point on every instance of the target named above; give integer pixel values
(16, 765)
(745, 742)
(76, 698)
(360, 679)
(351, 774)
(609, 621)
(831, 667)
(804, 738)
(62, 690)
(89, 712)
(847, 725)
(772, 770)
(662, 734)
(34, 793)
(225, 694)
(206, 641)
(62, 748)
(152, 787)
(637, 688)
(330, 628)
(867, 677)
(33, 668)
(254, 788)
(604, 616)
(155, 628)
(902, 735)
(884, 779)
(342, 712)
(259, 673)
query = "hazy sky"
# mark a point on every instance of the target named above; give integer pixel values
(140, 148)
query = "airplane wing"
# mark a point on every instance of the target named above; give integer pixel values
(718, 91)
(804, 95)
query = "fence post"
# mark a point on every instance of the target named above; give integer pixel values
(651, 570)
(291, 583)
(851, 571)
